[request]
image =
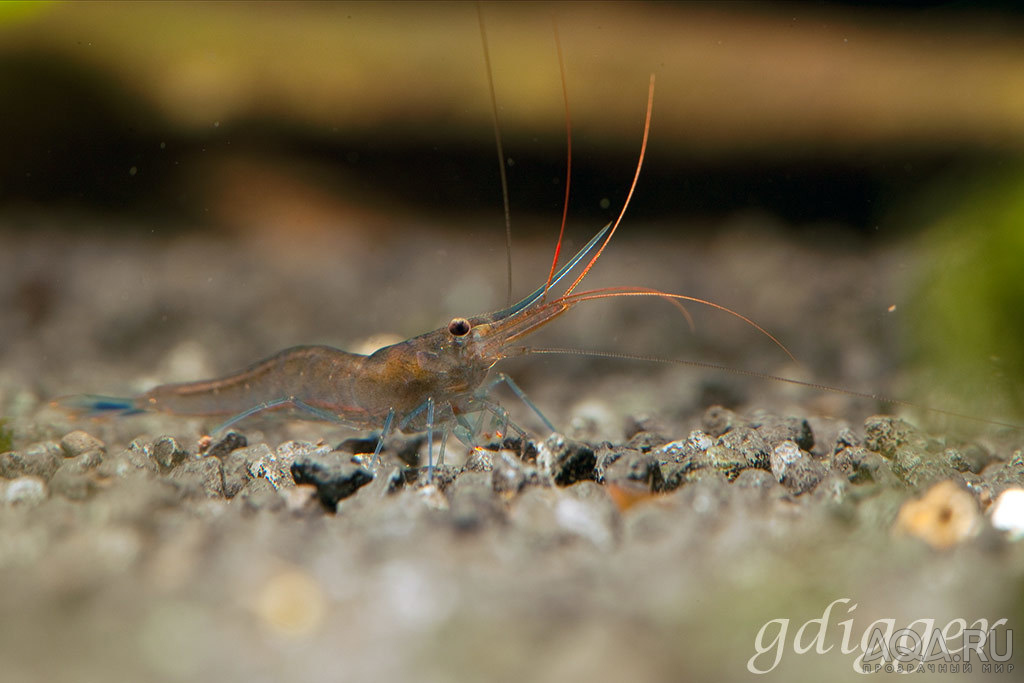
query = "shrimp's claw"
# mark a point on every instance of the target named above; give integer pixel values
(91, 405)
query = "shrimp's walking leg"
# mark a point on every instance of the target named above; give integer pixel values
(502, 378)
(385, 430)
(430, 440)
(444, 442)
(428, 406)
(502, 417)
(299, 404)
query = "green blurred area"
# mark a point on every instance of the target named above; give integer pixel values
(6, 437)
(967, 321)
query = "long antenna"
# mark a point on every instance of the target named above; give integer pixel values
(629, 195)
(568, 156)
(501, 152)
(880, 398)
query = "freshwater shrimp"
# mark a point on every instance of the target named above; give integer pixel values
(433, 381)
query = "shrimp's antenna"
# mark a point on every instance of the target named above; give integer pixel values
(568, 156)
(501, 152)
(525, 350)
(629, 196)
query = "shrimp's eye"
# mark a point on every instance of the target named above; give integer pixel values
(459, 327)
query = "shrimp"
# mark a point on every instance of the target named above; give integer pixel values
(433, 381)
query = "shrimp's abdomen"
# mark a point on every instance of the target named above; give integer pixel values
(320, 376)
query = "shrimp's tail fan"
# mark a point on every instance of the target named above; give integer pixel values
(91, 405)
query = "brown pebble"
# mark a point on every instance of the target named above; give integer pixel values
(943, 517)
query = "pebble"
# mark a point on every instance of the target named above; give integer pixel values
(861, 466)
(919, 468)
(333, 474)
(794, 467)
(749, 446)
(441, 478)
(775, 429)
(646, 441)
(84, 462)
(1008, 513)
(624, 466)
(243, 465)
(969, 458)
(566, 461)
(167, 453)
(944, 516)
(230, 442)
(846, 438)
(26, 490)
(509, 475)
(78, 442)
(886, 435)
(718, 420)
(1006, 475)
(38, 460)
(479, 460)
(685, 449)
(200, 476)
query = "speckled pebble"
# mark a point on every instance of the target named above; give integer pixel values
(749, 445)
(1006, 475)
(886, 435)
(253, 462)
(846, 438)
(479, 460)
(860, 466)
(920, 468)
(968, 458)
(795, 468)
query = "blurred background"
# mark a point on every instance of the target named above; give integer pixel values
(356, 130)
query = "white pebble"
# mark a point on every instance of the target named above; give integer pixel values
(25, 491)
(1008, 513)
